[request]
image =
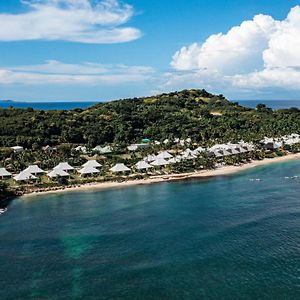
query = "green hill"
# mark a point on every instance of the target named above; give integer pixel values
(197, 114)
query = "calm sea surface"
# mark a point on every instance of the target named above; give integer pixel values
(47, 105)
(275, 104)
(223, 238)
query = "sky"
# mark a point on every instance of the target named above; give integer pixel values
(98, 50)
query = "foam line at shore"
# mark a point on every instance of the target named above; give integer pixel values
(222, 171)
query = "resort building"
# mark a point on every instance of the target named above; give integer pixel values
(189, 154)
(82, 149)
(25, 176)
(34, 169)
(17, 149)
(103, 150)
(271, 144)
(135, 147)
(88, 170)
(175, 159)
(160, 162)
(49, 149)
(92, 163)
(119, 168)
(4, 173)
(142, 165)
(150, 158)
(64, 166)
(291, 139)
(164, 155)
(57, 173)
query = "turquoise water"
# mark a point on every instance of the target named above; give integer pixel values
(222, 238)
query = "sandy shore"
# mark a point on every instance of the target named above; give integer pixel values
(221, 171)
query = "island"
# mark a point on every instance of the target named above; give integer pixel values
(172, 136)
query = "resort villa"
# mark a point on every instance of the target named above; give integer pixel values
(151, 161)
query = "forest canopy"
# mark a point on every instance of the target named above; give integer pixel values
(196, 114)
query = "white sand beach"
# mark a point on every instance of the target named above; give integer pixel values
(221, 171)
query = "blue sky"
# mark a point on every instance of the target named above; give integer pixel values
(51, 50)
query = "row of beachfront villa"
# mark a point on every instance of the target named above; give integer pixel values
(276, 143)
(268, 143)
(160, 160)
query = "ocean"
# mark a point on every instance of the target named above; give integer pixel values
(221, 238)
(274, 104)
(47, 105)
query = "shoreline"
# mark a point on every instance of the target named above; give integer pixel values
(205, 174)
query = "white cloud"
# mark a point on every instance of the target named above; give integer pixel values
(58, 73)
(284, 44)
(288, 78)
(257, 55)
(84, 21)
(234, 51)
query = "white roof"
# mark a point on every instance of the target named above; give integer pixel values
(164, 154)
(103, 150)
(188, 151)
(150, 158)
(4, 172)
(141, 165)
(132, 147)
(97, 148)
(88, 170)
(57, 173)
(64, 166)
(188, 156)
(243, 150)
(200, 149)
(34, 169)
(175, 160)
(233, 150)
(92, 163)
(119, 168)
(81, 148)
(23, 176)
(160, 162)
(17, 147)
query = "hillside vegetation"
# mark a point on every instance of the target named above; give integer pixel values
(197, 114)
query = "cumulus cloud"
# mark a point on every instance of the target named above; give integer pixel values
(84, 21)
(59, 73)
(258, 54)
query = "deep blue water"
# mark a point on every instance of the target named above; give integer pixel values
(275, 104)
(223, 238)
(47, 105)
